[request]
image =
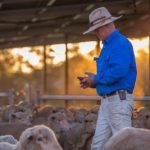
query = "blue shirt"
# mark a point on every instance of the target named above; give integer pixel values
(116, 67)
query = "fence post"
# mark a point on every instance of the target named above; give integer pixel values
(37, 98)
(27, 92)
(11, 97)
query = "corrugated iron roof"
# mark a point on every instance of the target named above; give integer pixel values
(38, 22)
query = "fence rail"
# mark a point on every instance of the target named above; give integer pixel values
(11, 93)
(83, 97)
(3, 94)
(68, 98)
(39, 98)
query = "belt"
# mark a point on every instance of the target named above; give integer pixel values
(116, 93)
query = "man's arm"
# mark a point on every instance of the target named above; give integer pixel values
(117, 68)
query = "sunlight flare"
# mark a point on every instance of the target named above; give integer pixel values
(58, 52)
(32, 58)
(86, 47)
(140, 44)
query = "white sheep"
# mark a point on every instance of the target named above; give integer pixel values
(8, 138)
(7, 146)
(129, 139)
(35, 138)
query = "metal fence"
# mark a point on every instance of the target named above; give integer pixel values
(69, 98)
(10, 95)
(39, 98)
(3, 94)
(83, 97)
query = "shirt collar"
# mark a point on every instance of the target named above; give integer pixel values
(111, 37)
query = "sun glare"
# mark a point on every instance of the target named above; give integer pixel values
(33, 58)
(59, 52)
(26, 69)
(140, 44)
(86, 47)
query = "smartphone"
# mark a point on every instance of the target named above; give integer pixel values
(80, 78)
(122, 95)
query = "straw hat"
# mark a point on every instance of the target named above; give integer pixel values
(99, 17)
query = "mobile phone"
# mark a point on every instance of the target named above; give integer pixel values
(80, 78)
(122, 95)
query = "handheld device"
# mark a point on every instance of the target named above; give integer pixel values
(80, 78)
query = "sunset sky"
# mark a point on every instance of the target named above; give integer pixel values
(59, 51)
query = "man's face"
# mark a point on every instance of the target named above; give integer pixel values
(101, 33)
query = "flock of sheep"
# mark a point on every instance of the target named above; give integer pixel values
(68, 129)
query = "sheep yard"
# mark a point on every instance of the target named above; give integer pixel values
(74, 127)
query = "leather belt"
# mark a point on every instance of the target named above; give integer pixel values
(116, 93)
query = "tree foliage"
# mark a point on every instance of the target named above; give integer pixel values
(13, 76)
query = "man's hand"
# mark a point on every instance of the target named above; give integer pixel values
(91, 81)
(87, 82)
(89, 74)
(83, 82)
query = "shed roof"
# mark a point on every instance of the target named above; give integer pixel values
(39, 22)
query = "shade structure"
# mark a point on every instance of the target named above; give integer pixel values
(40, 22)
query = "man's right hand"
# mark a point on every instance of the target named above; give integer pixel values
(87, 82)
(83, 82)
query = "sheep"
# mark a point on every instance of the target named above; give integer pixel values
(14, 129)
(21, 117)
(7, 111)
(142, 118)
(7, 146)
(38, 137)
(20, 113)
(8, 138)
(129, 139)
(58, 122)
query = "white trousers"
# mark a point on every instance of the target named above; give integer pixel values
(114, 114)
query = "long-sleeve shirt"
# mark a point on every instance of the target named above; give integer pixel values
(116, 67)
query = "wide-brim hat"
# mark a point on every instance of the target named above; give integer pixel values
(98, 18)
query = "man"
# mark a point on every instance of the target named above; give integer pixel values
(115, 77)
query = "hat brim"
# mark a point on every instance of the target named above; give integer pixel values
(96, 26)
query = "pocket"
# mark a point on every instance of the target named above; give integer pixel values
(117, 106)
